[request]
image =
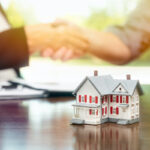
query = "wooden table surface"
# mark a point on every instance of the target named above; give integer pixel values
(45, 125)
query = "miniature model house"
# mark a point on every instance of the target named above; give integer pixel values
(101, 99)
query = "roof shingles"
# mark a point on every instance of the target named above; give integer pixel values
(106, 85)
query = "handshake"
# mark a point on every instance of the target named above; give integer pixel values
(58, 40)
(64, 41)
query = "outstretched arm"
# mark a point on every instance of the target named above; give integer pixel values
(67, 41)
(119, 44)
(109, 47)
(135, 34)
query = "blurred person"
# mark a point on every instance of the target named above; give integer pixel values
(13, 47)
(16, 44)
(118, 44)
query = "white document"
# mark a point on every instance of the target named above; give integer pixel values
(19, 92)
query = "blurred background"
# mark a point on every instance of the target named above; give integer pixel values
(95, 14)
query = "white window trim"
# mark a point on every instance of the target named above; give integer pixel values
(123, 99)
(82, 99)
(93, 112)
(114, 98)
(114, 110)
(93, 99)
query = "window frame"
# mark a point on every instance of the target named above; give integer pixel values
(114, 98)
(123, 99)
(93, 99)
(82, 99)
(93, 112)
(114, 111)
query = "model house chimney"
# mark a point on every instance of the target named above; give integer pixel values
(128, 77)
(95, 73)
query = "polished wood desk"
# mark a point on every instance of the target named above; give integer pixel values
(45, 125)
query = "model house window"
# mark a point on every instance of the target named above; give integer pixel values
(123, 99)
(114, 110)
(93, 99)
(108, 98)
(120, 98)
(104, 111)
(82, 99)
(91, 111)
(114, 98)
(104, 99)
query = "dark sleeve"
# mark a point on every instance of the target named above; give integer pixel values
(13, 49)
(136, 31)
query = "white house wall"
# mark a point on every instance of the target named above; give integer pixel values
(88, 89)
(134, 105)
(83, 114)
(122, 114)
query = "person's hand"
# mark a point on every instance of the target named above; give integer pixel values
(63, 40)
(63, 54)
(59, 40)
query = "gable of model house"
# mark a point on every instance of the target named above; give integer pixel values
(120, 89)
(102, 84)
(128, 87)
(137, 90)
(87, 88)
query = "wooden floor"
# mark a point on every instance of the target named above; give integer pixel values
(45, 125)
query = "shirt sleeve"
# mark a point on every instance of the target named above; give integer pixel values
(13, 49)
(135, 33)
